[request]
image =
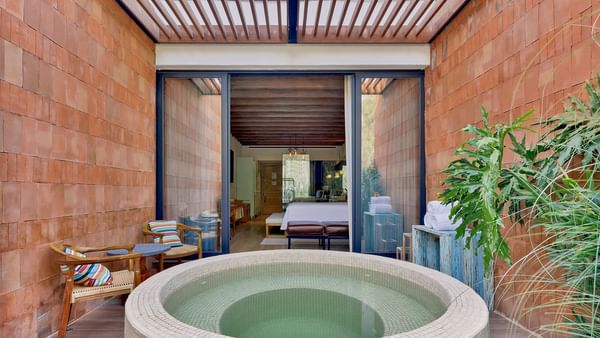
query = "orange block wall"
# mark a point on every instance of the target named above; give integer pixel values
(77, 145)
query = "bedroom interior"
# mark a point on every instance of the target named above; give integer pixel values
(288, 141)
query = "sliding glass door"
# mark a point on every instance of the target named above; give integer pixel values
(191, 129)
(391, 161)
(384, 172)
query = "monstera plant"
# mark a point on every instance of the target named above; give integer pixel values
(479, 185)
(555, 184)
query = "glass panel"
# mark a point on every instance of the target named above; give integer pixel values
(192, 157)
(296, 177)
(389, 161)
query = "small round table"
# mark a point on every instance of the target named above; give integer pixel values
(146, 250)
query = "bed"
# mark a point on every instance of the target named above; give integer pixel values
(320, 213)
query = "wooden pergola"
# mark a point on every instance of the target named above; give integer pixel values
(292, 21)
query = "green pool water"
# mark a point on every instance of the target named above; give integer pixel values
(289, 313)
(303, 300)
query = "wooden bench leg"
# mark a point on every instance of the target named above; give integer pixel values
(289, 242)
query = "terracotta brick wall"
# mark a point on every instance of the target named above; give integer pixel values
(77, 84)
(510, 56)
(396, 143)
(192, 149)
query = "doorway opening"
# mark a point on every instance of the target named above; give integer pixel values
(288, 140)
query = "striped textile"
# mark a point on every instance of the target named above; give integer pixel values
(169, 229)
(87, 274)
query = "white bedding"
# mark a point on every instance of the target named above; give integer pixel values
(315, 212)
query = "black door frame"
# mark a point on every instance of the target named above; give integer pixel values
(355, 131)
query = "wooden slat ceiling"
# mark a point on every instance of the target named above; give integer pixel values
(208, 86)
(319, 21)
(374, 86)
(369, 86)
(288, 110)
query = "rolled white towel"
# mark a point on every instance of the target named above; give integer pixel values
(381, 200)
(208, 213)
(441, 222)
(436, 207)
(380, 208)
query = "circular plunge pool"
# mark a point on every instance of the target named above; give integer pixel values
(303, 293)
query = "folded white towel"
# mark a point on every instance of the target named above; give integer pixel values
(439, 221)
(436, 207)
(208, 213)
(380, 208)
(381, 200)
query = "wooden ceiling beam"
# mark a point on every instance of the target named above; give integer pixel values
(266, 10)
(367, 17)
(254, 18)
(405, 15)
(439, 19)
(355, 16)
(382, 12)
(330, 17)
(286, 102)
(217, 17)
(297, 82)
(159, 6)
(204, 89)
(180, 18)
(231, 25)
(280, 144)
(286, 93)
(438, 5)
(308, 132)
(391, 18)
(306, 2)
(317, 17)
(207, 23)
(190, 13)
(342, 17)
(241, 13)
(418, 15)
(145, 4)
(285, 122)
(290, 110)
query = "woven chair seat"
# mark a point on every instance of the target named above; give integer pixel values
(181, 250)
(123, 282)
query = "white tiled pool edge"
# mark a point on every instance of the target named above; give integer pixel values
(145, 316)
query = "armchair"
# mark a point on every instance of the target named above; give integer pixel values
(124, 281)
(176, 252)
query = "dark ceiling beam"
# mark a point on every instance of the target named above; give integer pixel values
(292, 11)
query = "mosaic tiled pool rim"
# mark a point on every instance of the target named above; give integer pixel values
(466, 314)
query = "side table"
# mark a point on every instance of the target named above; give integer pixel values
(146, 250)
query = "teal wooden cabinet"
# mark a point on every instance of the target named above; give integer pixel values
(440, 250)
(382, 232)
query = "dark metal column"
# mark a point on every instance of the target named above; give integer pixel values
(292, 21)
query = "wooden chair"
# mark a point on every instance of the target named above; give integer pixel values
(177, 252)
(124, 281)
